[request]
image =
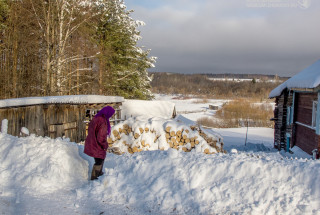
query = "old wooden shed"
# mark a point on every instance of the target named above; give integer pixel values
(297, 111)
(56, 116)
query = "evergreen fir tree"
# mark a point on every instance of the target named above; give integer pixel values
(123, 64)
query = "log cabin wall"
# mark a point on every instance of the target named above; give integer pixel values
(280, 119)
(305, 136)
(54, 120)
(277, 123)
(280, 115)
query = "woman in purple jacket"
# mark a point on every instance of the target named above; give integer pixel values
(96, 142)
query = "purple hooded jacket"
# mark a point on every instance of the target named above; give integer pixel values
(99, 128)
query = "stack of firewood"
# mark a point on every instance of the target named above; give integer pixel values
(137, 138)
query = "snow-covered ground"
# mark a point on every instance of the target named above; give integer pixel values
(44, 176)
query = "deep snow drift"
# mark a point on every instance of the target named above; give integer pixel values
(43, 176)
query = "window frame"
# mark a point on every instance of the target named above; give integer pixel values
(314, 114)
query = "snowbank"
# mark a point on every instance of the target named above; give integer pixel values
(48, 176)
(74, 99)
(307, 78)
(134, 108)
(40, 164)
(191, 183)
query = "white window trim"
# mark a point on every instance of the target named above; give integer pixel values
(314, 114)
(307, 126)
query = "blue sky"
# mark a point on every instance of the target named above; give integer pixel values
(230, 36)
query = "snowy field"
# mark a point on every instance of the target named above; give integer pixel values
(44, 176)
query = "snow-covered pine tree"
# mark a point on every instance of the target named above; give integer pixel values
(123, 65)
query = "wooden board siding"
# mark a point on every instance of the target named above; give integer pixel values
(52, 120)
(303, 108)
(306, 138)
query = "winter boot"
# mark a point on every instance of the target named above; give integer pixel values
(101, 172)
(96, 171)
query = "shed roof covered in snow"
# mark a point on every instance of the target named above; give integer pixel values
(308, 78)
(74, 99)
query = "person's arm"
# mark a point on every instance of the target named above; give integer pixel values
(102, 136)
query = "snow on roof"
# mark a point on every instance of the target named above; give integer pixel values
(307, 78)
(74, 99)
(134, 108)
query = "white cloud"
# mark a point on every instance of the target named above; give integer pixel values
(228, 36)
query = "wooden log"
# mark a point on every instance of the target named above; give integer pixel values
(143, 143)
(146, 129)
(193, 127)
(181, 143)
(206, 151)
(193, 144)
(192, 139)
(135, 149)
(115, 133)
(157, 137)
(196, 142)
(109, 140)
(184, 149)
(130, 150)
(172, 133)
(184, 136)
(168, 128)
(136, 135)
(187, 131)
(171, 144)
(167, 135)
(141, 130)
(179, 133)
(187, 140)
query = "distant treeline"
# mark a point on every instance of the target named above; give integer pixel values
(247, 76)
(200, 84)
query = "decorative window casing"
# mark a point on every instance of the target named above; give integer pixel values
(314, 114)
(289, 115)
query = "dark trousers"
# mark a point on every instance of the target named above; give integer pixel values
(98, 161)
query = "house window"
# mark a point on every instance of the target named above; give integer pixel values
(314, 114)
